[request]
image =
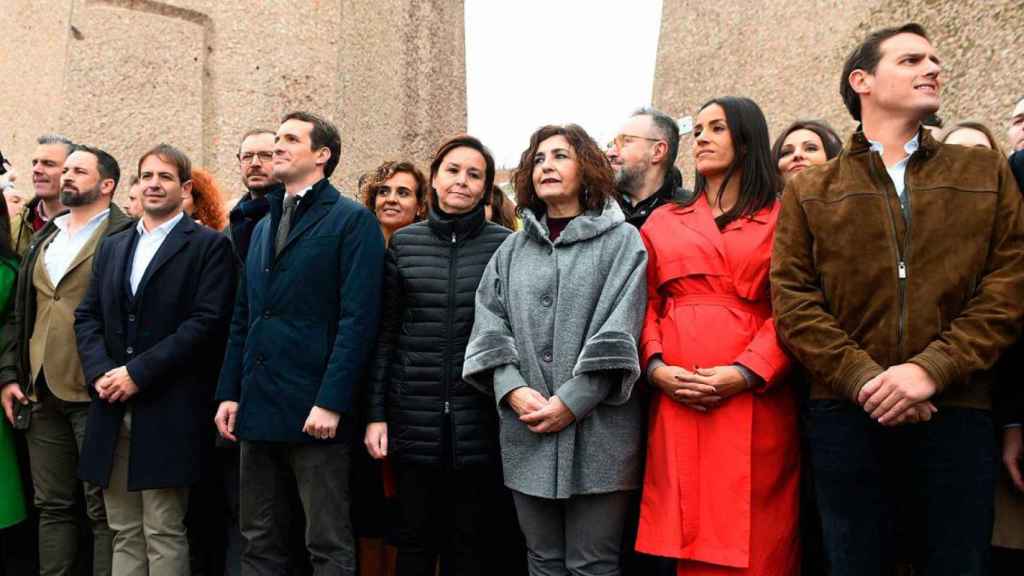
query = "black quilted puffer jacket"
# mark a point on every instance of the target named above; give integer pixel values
(430, 280)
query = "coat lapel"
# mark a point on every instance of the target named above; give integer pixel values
(314, 214)
(175, 241)
(698, 217)
(89, 248)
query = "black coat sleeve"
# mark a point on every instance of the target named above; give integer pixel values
(387, 340)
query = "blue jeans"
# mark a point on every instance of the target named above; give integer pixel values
(921, 493)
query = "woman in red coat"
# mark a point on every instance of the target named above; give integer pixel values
(721, 488)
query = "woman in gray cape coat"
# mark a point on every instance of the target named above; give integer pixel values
(558, 315)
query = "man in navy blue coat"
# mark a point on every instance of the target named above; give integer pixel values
(151, 329)
(304, 323)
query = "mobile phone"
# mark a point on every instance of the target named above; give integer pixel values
(22, 415)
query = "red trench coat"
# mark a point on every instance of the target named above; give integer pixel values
(721, 489)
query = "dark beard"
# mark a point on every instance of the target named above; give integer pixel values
(628, 180)
(261, 191)
(72, 199)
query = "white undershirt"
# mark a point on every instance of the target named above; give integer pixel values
(898, 171)
(65, 246)
(150, 242)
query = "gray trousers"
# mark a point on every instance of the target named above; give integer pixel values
(54, 441)
(321, 472)
(581, 536)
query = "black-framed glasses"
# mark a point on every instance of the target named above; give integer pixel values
(249, 157)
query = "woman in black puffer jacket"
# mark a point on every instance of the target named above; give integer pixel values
(440, 432)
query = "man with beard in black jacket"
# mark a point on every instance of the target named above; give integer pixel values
(255, 154)
(643, 157)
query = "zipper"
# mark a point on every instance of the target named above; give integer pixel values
(902, 249)
(450, 313)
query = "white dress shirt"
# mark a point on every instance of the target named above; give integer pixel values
(65, 246)
(898, 171)
(150, 242)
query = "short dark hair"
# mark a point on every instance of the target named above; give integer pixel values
(668, 128)
(323, 135)
(254, 132)
(461, 141)
(597, 178)
(370, 183)
(171, 155)
(105, 163)
(51, 139)
(866, 57)
(829, 139)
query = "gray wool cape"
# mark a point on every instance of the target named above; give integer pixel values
(564, 318)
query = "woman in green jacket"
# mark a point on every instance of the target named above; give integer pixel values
(12, 501)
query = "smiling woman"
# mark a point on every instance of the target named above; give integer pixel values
(804, 143)
(396, 192)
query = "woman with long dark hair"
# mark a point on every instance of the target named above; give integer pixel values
(802, 144)
(557, 317)
(440, 433)
(722, 476)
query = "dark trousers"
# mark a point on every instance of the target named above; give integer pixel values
(918, 492)
(321, 472)
(446, 517)
(54, 440)
(581, 535)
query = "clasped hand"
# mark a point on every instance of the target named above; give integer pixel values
(900, 395)
(702, 389)
(540, 414)
(116, 385)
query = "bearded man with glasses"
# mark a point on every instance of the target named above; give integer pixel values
(255, 154)
(643, 155)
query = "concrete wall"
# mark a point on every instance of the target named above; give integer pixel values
(787, 56)
(127, 74)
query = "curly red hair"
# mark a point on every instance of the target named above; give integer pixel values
(208, 201)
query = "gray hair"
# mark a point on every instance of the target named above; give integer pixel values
(53, 138)
(667, 128)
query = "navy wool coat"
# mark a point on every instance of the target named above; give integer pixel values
(305, 321)
(171, 338)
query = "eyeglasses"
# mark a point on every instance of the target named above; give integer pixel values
(248, 157)
(623, 139)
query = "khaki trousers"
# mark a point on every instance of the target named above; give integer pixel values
(148, 525)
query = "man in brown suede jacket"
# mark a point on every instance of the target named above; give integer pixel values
(897, 281)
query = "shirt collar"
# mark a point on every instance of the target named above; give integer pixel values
(910, 147)
(61, 222)
(163, 229)
(302, 193)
